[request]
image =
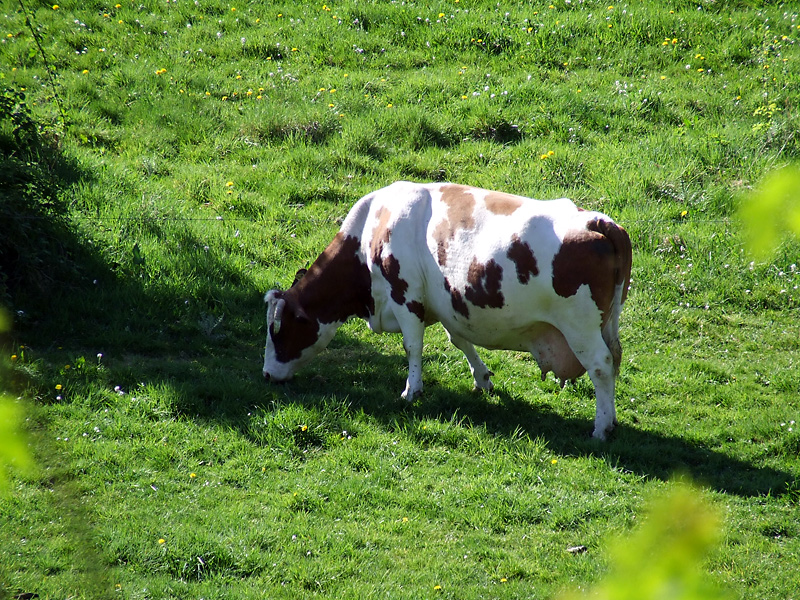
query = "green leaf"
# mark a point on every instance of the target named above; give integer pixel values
(772, 211)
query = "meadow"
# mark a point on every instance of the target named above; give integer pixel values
(165, 163)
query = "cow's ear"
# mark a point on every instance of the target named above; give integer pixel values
(298, 276)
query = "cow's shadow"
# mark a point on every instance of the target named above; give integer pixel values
(629, 449)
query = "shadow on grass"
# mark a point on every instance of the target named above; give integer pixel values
(358, 372)
(222, 383)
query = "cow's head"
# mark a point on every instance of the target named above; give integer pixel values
(293, 336)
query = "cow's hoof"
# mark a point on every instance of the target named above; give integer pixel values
(410, 396)
(602, 434)
(485, 386)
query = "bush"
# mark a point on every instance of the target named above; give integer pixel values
(36, 248)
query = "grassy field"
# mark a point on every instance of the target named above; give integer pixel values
(165, 163)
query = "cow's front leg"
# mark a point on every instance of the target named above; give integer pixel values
(413, 332)
(480, 372)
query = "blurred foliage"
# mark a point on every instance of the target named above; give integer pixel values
(665, 558)
(13, 443)
(772, 211)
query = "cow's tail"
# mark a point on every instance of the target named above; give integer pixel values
(623, 258)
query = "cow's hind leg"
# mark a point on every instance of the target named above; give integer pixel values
(480, 372)
(596, 358)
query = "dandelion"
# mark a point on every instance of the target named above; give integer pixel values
(554, 461)
(161, 541)
(390, 105)
(192, 475)
(13, 357)
(59, 387)
(304, 428)
(503, 580)
(229, 184)
(56, 7)
(684, 213)
(437, 588)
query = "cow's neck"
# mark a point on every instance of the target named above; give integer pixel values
(337, 286)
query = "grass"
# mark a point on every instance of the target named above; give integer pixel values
(203, 152)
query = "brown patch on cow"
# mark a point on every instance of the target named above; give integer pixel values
(622, 250)
(502, 204)
(484, 284)
(389, 265)
(457, 300)
(416, 308)
(460, 203)
(380, 234)
(337, 285)
(521, 255)
(586, 257)
(390, 269)
(297, 331)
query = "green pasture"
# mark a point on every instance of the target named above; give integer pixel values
(165, 163)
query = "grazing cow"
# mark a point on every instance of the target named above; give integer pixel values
(500, 271)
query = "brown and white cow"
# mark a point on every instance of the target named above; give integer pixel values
(498, 271)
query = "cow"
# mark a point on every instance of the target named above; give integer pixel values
(496, 270)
